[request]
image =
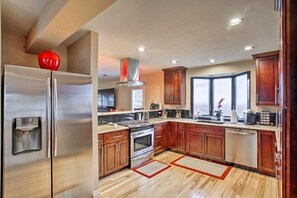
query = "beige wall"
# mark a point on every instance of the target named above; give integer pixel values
(14, 52)
(83, 59)
(154, 88)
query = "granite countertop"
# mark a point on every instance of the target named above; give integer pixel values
(226, 125)
(124, 112)
(106, 128)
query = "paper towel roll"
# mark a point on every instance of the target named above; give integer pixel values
(233, 116)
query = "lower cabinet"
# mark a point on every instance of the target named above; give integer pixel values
(181, 137)
(266, 152)
(195, 143)
(205, 141)
(172, 136)
(160, 137)
(113, 153)
(215, 146)
(100, 155)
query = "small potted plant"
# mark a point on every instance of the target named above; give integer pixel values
(218, 114)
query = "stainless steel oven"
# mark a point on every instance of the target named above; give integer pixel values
(141, 145)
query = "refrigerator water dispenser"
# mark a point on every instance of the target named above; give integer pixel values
(26, 135)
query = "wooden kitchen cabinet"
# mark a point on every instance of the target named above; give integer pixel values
(195, 143)
(113, 152)
(205, 141)
(123, 152)
(266, 152)
(160, 140)
(175, 85)
(100, 156)
(267, 78)
(181, 137)
(215, 147)
(172, 136)
(110, 158)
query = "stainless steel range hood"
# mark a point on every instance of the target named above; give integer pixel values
(129, 74)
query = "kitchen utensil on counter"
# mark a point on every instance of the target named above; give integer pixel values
(154, 105)
(265, 118)
(249, 117)
(233, 116)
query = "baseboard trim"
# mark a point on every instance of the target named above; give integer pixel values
(96, 193)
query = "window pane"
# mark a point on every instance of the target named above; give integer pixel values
(137, 98)
(222, 88)
(201, 96)
(241, 96)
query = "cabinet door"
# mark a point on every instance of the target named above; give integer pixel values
(167, 87)
(101, 160)
(110, 158)
(267, 80)
(123, 155)
(215, 147)
(172, 143)
(158, 147)
(176, 85)
(181, 141)
(195, 143)
(166, 129)
(266, 152)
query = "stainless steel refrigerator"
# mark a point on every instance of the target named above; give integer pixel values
(47, 133)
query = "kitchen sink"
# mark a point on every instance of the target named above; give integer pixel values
(212, 121)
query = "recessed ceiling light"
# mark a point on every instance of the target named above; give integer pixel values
(235, 21)
(173, 61)
(212, 60)
(141, 49)
(249, 47)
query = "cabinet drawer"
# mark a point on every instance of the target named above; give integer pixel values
(181, 126)
(100, 140)
(205, 129)
(158, 133)
(115, 136)
(158, 126)
(158, 144)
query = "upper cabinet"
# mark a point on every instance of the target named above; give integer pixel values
(175, 85)
(267, 78)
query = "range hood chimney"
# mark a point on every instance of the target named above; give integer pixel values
(129, 73)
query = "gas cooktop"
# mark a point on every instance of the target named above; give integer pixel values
(135, 123)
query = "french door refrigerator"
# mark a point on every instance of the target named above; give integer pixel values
(47, 133)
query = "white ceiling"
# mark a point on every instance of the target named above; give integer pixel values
(191, 31)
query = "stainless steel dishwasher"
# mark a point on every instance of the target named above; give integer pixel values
(241, 146)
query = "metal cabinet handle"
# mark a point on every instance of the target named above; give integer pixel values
(119, 136)
(275, 95)
(158, 137)
(48, 118)
(102, 151)
(55, 118)
(259, 139)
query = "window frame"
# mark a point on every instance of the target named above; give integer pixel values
(233, 90)
(131, 96)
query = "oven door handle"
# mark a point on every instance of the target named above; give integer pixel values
(142, 133)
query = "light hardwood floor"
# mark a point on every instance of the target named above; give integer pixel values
(180, 182)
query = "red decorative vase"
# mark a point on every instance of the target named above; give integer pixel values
(49, 60)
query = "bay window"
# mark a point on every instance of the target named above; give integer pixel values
(206, 92)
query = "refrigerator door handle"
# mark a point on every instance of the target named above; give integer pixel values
(48, 117)
(55, 118)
